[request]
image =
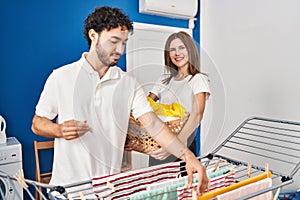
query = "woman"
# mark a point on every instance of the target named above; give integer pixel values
(184, 84)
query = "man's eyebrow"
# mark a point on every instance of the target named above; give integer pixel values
(115, 37)
(118, 38)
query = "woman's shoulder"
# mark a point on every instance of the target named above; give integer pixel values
(200, 76)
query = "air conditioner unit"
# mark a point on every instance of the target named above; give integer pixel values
(181, 9)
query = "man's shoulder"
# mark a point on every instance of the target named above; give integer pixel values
(68, 68)
(124, 75)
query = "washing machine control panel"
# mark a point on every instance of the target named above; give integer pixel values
(10, 152)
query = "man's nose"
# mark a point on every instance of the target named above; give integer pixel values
(120, 48)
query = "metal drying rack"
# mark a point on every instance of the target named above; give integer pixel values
(256, 142)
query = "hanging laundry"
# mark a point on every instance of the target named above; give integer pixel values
(177, 189)
(221, 181)
(216, 192)
(163, 190)
(248, 189)
(121, 185)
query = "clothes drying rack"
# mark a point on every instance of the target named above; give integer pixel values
(256, 142)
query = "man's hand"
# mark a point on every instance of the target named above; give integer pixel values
(168, 141)
(68, 130)
(194, 165)
(73, 129)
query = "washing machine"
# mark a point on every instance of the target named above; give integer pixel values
(10, 164)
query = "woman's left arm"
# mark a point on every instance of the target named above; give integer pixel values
(195, 117)
(191, 124)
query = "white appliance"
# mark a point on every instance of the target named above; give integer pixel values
(182, 9)
(10, 164)
(2, 130)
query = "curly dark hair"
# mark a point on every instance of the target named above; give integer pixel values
(106, 18)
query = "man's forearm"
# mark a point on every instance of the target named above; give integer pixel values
(44, 127)
(163, 135)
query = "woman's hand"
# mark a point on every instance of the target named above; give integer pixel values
(160, 154)
(127, 147)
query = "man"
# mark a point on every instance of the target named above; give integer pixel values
(92, 100)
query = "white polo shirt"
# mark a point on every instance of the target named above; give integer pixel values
(75, 91)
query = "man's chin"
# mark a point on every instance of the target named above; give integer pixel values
(113, 63)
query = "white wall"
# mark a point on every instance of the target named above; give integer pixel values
(144, 56)
(251, 51)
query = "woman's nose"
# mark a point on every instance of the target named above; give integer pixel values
(177, 52)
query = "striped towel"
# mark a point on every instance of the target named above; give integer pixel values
(122, 185)
(220, 181)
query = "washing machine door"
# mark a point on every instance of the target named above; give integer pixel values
(7, 189)
(11, 189)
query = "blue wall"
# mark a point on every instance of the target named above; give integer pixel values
(36, 37)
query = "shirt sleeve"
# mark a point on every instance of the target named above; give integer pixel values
(140, 104)
(199, 83)
(47, 104)
(158, 87)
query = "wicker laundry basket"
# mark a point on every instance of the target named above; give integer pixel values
(138, 139)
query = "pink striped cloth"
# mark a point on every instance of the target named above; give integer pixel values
(224, 180)
(248, 189)
(122, 185)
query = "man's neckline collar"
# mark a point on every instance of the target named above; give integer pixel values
(110, 74)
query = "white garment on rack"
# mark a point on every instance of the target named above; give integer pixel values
(248, 189)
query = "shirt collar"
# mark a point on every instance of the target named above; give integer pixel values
(112, 72)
